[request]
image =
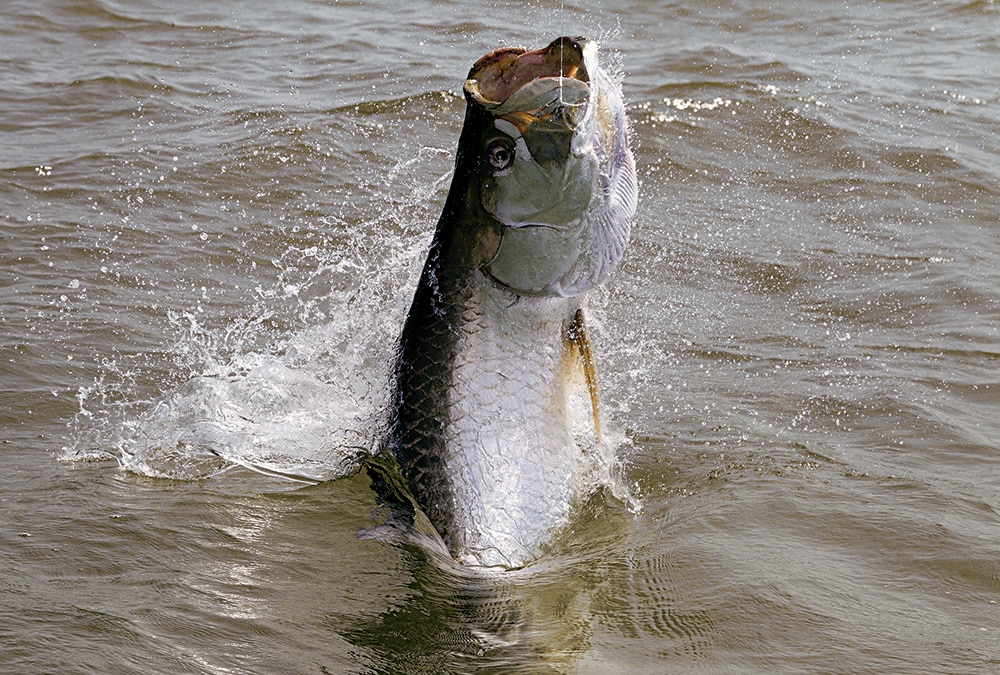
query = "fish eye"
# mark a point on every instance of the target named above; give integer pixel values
(500, 154)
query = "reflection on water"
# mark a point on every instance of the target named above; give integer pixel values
(546, 617)
(554, 616)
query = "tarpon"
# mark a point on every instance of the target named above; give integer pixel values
(538, 213)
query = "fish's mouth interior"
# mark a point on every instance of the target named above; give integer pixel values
(503, 72)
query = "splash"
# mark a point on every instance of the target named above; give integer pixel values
(294, 385)
(308, 408)
(297, 386)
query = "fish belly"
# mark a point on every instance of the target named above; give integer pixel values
(512, 459)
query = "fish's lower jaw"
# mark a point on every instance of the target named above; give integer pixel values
(487, 558)
(513, 556)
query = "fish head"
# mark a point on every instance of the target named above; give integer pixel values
(553, 165)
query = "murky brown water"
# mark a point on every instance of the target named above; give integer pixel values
(213, 217)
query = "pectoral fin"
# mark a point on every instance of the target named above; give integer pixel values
(577, 339)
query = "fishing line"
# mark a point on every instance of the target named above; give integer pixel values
(562, 45)
(563, 103)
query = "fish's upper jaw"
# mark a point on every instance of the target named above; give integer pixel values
(516, 80)
(544, 95)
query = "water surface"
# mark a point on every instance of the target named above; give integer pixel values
(213, 218)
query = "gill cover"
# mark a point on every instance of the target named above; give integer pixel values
(559, 175)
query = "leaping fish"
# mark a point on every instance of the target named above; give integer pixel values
(538, 213)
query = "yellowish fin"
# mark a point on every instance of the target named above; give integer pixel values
(577, 342)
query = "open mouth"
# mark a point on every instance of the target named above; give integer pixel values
(525, 86)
